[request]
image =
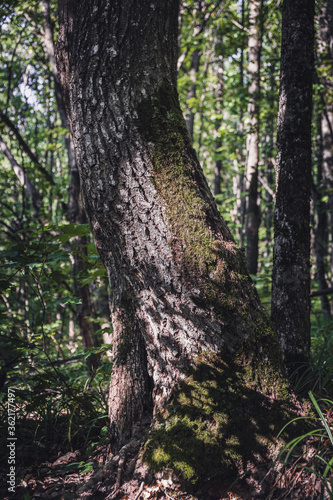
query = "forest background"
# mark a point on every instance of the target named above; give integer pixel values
(55, 328)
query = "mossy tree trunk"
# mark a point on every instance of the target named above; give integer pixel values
(291, 261)
(180, 293)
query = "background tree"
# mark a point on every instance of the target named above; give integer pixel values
(323, 186)
(252, 137)
(291, 265)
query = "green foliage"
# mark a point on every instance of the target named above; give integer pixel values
(41, 355)
(320, 439)
(58, 399)
(83, 467)
(317, 375)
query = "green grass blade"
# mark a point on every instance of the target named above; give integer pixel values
(323, 419)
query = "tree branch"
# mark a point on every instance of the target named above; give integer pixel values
(318, 293)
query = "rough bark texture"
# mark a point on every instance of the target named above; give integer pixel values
(183, 306)
(291, 262)
(252, 139)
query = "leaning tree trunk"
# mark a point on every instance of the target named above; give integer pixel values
(291, 260)
(183, 306)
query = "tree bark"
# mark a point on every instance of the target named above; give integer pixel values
(291, 261)
(252, 138)
(240, 181)
(184, 310)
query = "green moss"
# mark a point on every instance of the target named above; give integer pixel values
(217, 422)
(232, 405)
(213, 265)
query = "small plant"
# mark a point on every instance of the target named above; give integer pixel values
(84, 467)
(321, 462)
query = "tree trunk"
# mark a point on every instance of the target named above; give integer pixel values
(291, 261)
(321, 231)
(219, 111)
(184, 309)
(240, 199)
(325, 60)
(192, 91)
(252, 139)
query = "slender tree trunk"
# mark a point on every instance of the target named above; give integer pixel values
(321, 232)
(184, 309)
(219, 111)
(195, 61)
(291, 261)
(239, 181)
(74, 209)
(270, 162)
(252, 139)
(325, 57)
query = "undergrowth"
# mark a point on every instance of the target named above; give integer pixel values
(313, 451)
(60, 401)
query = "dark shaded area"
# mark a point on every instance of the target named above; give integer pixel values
(218, 425)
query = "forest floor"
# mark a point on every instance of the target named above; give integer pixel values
(66, 476)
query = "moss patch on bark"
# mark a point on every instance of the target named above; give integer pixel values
(202, 245)
(228, 411)
(218, 423)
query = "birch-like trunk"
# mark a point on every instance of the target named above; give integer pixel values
(252, 139)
